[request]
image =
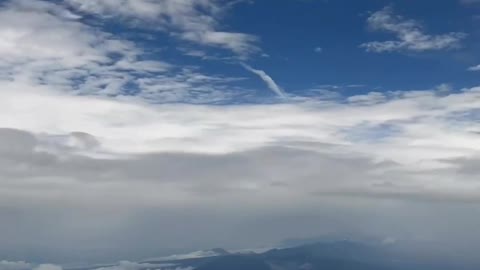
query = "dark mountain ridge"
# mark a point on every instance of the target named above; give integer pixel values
(342, 255)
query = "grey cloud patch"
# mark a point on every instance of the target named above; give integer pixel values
(9, 265)
(332, 167)
(467, 166)
(127, 265)
(135, 206)
(391, 192)
(373, 134)
(250, 167)
(14, 142)
(84, 140)
(48, 267)
(21, 265)
(74, 142)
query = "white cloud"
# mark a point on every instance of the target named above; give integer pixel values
(410, 35)
(58, 50)
(474, 68)
(272, 85)
(371, 98)
(32, 34)
(424, 118)
(444, 88)
(41, 45)
(237, 42)
(191, 20)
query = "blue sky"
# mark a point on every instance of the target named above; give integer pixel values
(126, 125)
(285, 46)
(290, 32)
(339, 27)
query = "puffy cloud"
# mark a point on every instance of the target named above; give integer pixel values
(411, 35)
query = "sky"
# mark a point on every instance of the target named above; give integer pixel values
(131, 129)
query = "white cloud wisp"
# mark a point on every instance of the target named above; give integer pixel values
(271, 84)
(196, 21)
(411, 35)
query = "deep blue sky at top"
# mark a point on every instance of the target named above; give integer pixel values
(290, 30)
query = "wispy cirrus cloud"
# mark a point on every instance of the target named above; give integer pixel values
(469, 1)
(189, 20)
(474, 68)
(272, 85)
(410, 35)
(49, 44)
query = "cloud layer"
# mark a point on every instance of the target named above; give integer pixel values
(413, 147)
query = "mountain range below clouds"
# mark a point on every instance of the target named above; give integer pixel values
(333, 255)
